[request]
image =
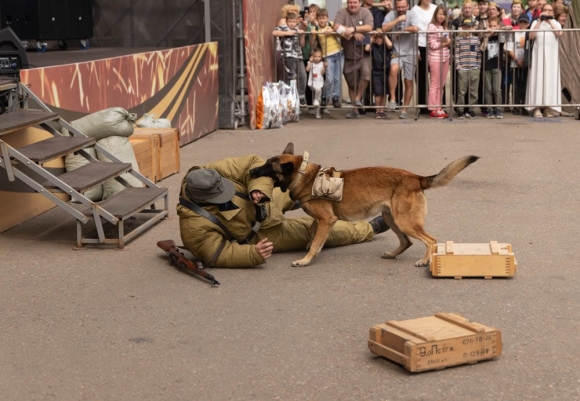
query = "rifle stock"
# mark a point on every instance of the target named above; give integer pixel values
(179, 260)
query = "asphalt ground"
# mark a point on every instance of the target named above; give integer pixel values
(109, 324)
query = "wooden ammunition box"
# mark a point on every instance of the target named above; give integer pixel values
(473, 260)
(144, 149)
(166, 149)
(435, 342)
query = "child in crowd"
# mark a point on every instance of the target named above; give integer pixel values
(316, 69)
(438, 58)
(291, 40)
(467, 62)
(280, 70)
(491, 67)
(333, 55)
(381, 55)
(517, 48)
(309, 23)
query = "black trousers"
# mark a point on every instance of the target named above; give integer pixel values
(422, 84)
(480, 92)
(519, 81)
(308, 91)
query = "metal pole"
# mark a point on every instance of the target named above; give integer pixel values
(207, 20)
(242, 49)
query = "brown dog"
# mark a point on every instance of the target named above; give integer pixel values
(396, 194)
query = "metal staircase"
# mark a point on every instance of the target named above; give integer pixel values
(130, 203)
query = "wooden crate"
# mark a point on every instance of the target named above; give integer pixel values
(473, 260)
(434, 342)
(166, 149)
(144, 149)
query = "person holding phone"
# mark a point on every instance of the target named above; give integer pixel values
(439, 43)
(544, 87)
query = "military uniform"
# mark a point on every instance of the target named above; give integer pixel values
(205, 239)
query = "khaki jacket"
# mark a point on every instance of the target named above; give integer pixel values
(204, 238)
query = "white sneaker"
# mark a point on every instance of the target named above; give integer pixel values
(316, 102)
(391, 106)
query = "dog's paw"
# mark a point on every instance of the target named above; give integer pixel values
(422, 263)
(300, 263)
(388, 255)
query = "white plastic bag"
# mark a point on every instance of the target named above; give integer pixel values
(290, 102)
(276, 118)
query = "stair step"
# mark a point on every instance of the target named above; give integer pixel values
(89, 175)
(19, 119)
(129, 201)
(52, 148)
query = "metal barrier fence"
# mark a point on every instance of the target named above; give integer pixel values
(527, 77)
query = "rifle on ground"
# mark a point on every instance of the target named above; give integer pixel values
(179, 260)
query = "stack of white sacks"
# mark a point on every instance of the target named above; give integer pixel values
(111, 128)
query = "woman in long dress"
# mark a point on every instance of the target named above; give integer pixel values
(544, 87)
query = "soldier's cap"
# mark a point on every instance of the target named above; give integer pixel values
(205, 185)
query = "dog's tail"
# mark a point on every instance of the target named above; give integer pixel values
(448, 173)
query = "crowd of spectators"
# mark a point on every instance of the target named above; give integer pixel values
(509, 61)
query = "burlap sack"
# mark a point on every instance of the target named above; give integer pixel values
(115, 121)
(121, 148)
(72, 162)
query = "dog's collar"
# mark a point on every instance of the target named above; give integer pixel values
(304, 163)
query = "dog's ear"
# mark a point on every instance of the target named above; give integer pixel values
(287, 168)
(289, 149)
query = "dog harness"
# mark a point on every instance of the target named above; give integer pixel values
(328, 183)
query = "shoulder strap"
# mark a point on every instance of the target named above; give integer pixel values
(204, 213)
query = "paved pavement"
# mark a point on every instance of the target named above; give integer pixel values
(106, 324)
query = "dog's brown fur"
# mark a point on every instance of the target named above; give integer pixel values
(368, 192)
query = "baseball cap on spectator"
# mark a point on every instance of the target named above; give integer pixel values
(468, 22)
(482, 1)
(524, 17)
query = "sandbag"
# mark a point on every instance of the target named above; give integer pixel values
(72, 162)
(149, 121)
(115, 121)
(121, 148)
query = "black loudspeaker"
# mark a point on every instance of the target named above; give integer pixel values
(13, 56)
(48, 19)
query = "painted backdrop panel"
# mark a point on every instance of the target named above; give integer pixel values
(260, 18)
(180, 84)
